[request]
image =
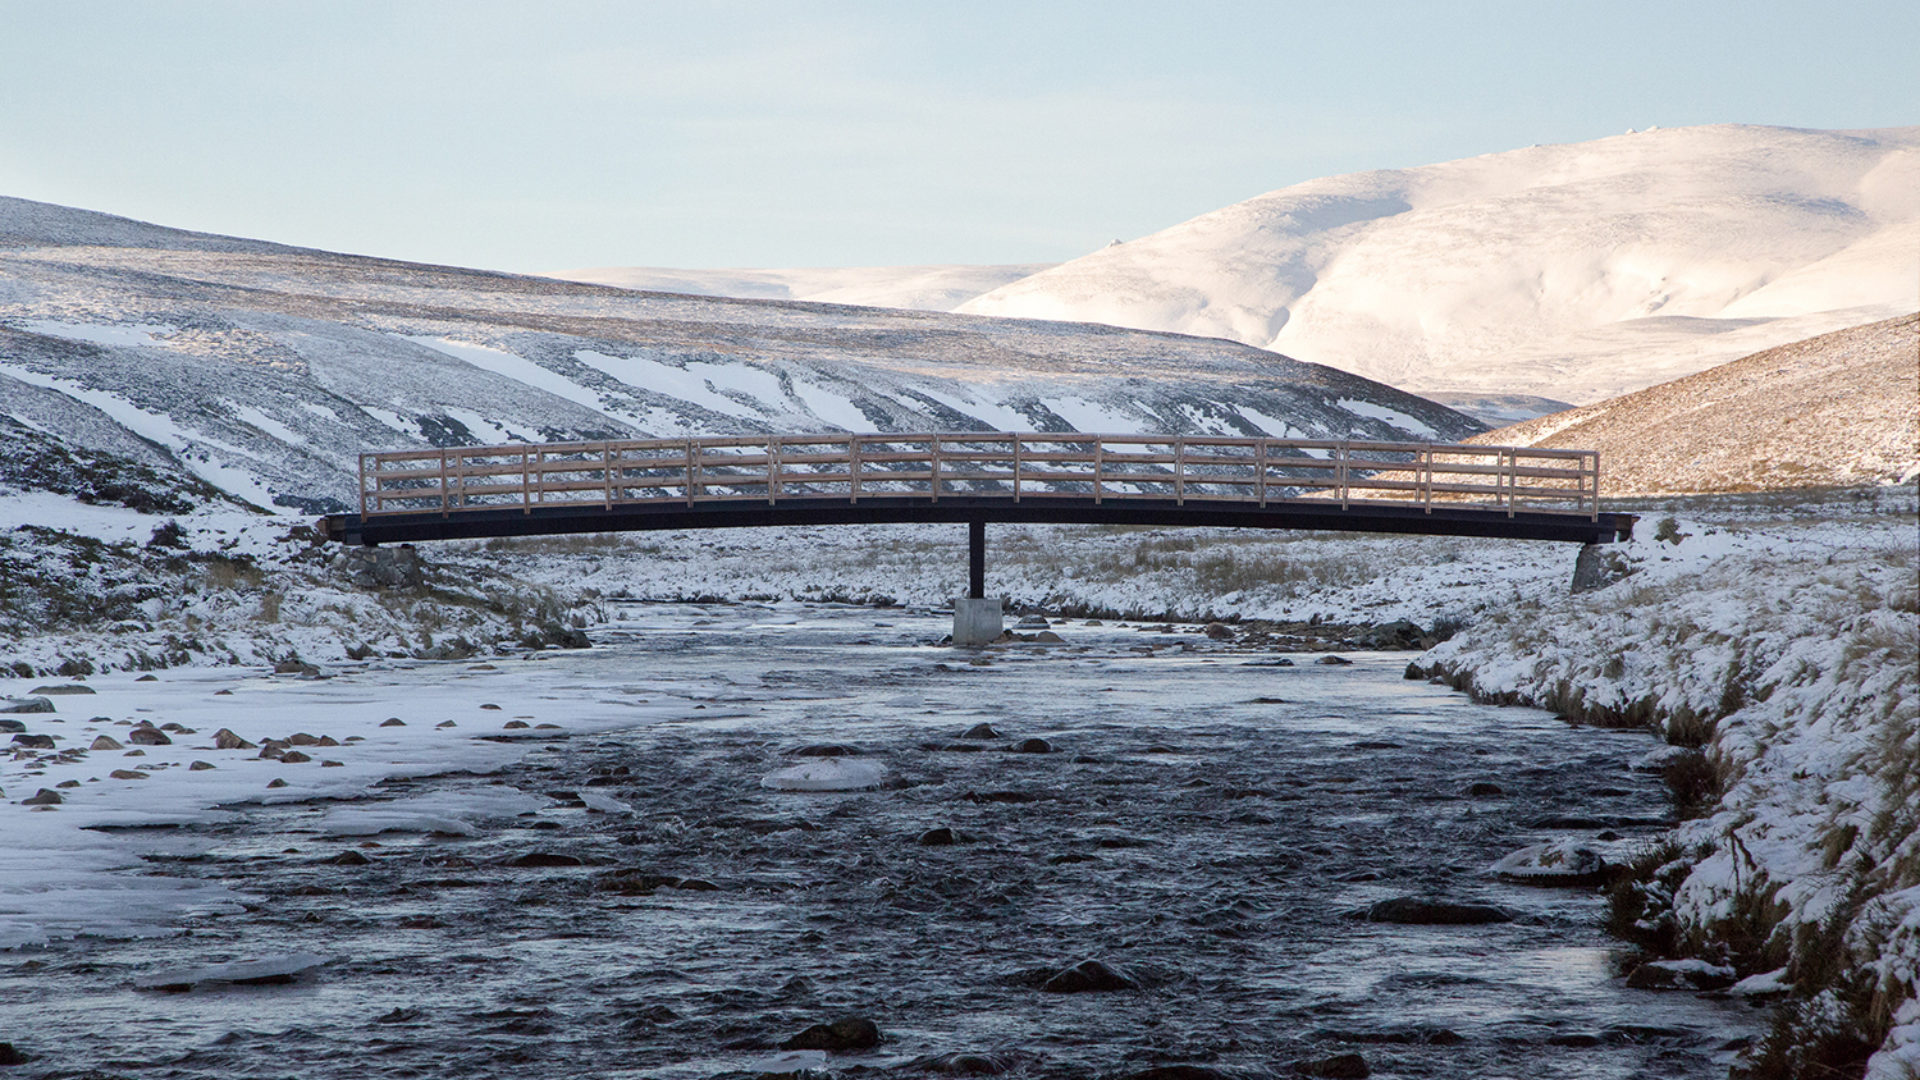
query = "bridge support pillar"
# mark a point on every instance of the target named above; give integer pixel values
(976, 619)
(976, 559)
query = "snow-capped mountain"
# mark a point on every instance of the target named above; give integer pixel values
(921, 288)
(1839, 409)
(1575, 272)
(264, 370)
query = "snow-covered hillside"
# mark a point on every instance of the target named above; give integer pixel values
(921, 288)
(1837, 410)
(1577, 272)
(265, 370)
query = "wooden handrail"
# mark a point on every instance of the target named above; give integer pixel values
(1015, 465)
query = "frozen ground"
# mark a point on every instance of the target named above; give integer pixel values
(75, 868)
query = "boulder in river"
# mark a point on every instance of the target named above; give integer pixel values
(149, 736)
(1337, 1067)
(34, 742)
(106, 742)
(1033, 746)
(1681, 975)
(1426, 911)
(11, 1056)
(45, 797)
(1219, 631)
(840, 1036)
(225, 739)
(981, 731)
(825, 750)
(1562, 863)
(67, 688)
(1089, 977)
(26, 705)
(1330, 660)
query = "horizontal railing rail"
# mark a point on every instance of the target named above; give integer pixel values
(1016, 466)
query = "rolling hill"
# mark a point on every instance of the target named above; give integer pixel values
(1575, 272)
(264, 370)
(1835, 410)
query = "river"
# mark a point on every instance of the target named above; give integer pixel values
(1206, 824)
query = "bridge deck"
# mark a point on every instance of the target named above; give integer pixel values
(1070, 477)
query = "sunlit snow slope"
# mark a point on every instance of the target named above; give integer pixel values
(1839, 409)
(923, 288)
(264, 370)
(1576, 272)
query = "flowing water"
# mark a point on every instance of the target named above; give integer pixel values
(1206, 824)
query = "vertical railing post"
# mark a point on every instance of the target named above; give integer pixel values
(1099, 466)
(1340, 471)
(526, 479)
(1260, 478)
(933, 468)
(1507, 460)
(1596, 486)
(773, 468)
(606, 470)
(443, 481)
(363, 486)
(692, 472)
(1016, 465)
(1426, 479)
(1179, 470)
(853, 468)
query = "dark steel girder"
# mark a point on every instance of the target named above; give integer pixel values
(552, 520)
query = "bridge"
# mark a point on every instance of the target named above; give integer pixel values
(524, 489)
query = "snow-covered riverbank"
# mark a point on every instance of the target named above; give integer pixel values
(1786, 652)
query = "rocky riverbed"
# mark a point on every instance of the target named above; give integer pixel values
(1129, 851)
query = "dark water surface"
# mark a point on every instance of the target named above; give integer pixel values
(1203, 825)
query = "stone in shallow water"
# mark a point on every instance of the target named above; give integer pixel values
(825, 750)
(981, 731)
(827, 774)
(1560, 862)
(1337, 1067)
(1681, 975)
(844, 1034)
(1420, 911)
(1089, 977)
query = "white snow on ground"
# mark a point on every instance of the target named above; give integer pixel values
(1391, 416)
(694, 382)
(1578, 272)
(517, 368)
(833, 408)
(60, 875)
(193, 448)
(127, 336)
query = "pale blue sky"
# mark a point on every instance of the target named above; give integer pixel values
(548, 135)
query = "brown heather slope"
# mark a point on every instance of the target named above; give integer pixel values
(1839, 409)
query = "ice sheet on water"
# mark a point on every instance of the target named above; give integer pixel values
(460, 813)
(827, 774)
(269, 969)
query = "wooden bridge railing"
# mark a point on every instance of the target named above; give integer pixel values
(974, 464)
